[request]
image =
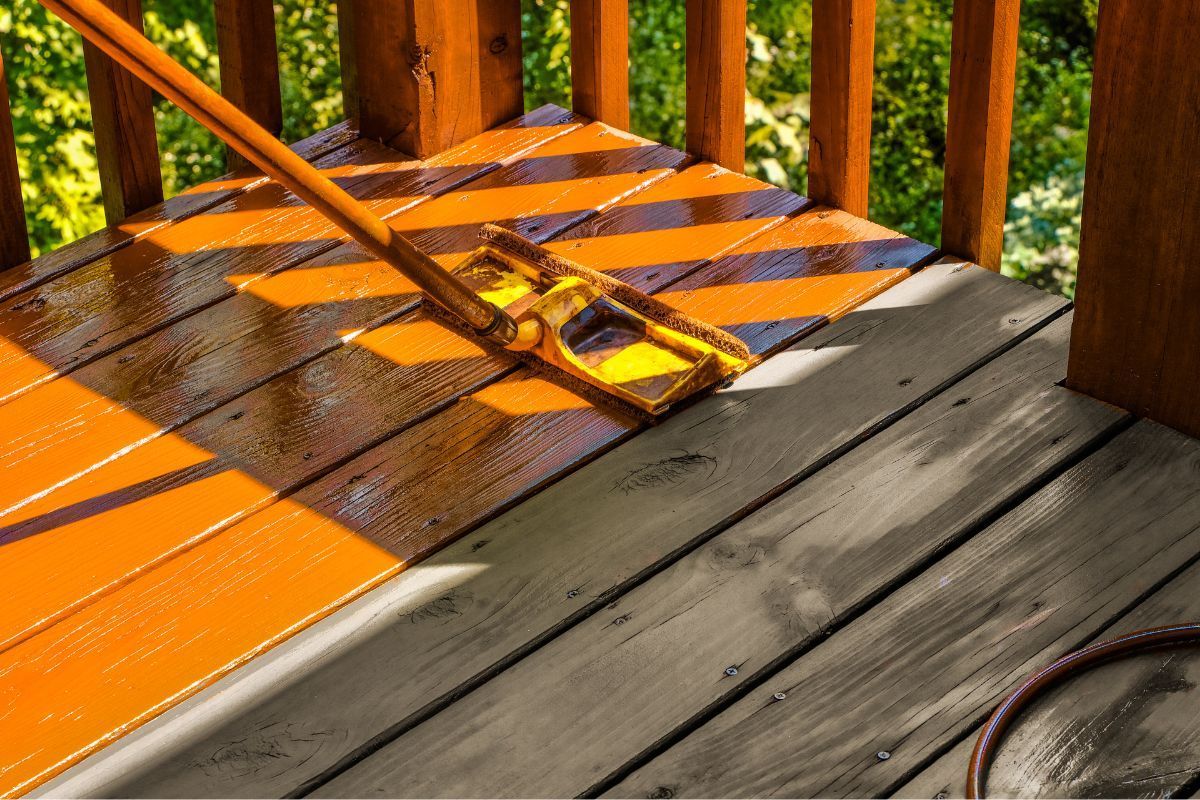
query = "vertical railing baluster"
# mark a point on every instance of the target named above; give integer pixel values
(983, 63)
(1134, 339)
(14, 236)
(716, 81)
(843, 74)
(123, 120)
(600, 60)
(249, 58)
(416, 69)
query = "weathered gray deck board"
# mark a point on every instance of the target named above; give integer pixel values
(1126, 729)
(923, 667)
(564, 719)
(501, 591)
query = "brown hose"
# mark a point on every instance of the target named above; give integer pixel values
(136, 53)
(1067, 666)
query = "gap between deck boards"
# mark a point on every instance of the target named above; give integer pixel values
(419, 681)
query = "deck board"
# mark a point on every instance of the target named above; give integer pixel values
(774, 583)
(132, 616)
(187, 203)
(1125, 729)
(505, 587)
(919, 670)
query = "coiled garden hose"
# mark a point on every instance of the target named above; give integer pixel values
(1065, 667)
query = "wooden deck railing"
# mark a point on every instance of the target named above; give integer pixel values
(423, 75)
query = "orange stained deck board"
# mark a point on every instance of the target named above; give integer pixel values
(209, 609)
(187, 203)
(174, 271)
(279, 435)
(59, 430)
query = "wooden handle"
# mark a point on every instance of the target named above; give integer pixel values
(121, 42)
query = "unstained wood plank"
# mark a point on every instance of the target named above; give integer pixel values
(526, 410)
(14, 236)
(915, 673)
(843, 62)
(123, 121)
(1125, 729)
(521, 577)
(779, 580)
(187, 203)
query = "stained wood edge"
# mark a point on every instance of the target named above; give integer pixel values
(14, 234)
(600, 60)
(716, 81)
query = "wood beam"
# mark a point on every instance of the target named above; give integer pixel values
(983, 66)
(600, 60)
(843, 74)
(249, 59)
(123, 120)
(14, 236)
(716, 81)
(1137, 323)
(428, 74)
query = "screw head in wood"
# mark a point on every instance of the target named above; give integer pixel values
(731, 671)
(779, 696)
(883, 755)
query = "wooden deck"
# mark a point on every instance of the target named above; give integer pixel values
(229, 433)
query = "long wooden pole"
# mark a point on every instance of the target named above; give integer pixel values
(120, 41)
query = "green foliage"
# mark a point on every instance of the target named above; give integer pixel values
(57, 158)
(52, 119)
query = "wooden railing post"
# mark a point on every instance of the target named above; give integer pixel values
(843, 75)
(983, 64)
(428, 74)
(249, 59)
(600, 60)
(716, 81)
(14, 236)
(123, 120)
(1136, 335)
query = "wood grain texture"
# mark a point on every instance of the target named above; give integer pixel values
(945, 778)
(123, 120)
(419, 67)
(600, 60)
(918, 671)
(716, 81)
(776, 581)
(983, 75)
(1135, 333)
(170, 273)
(843, 74)
(249, 62)
(522, 576)
(187, 203)
(73, 429)
(14, 236)
(487, 451)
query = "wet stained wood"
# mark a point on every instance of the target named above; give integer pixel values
(1138, 322)
(167, 275)
(249, 63)
(918, 671)
(843, 62)
(776, 581)
(14, 238)
(600, 60)
(147, 390)
(716, 81)
(187, 203)
(123, 120)
(983, 75)
(224, 647)
(519, 578)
